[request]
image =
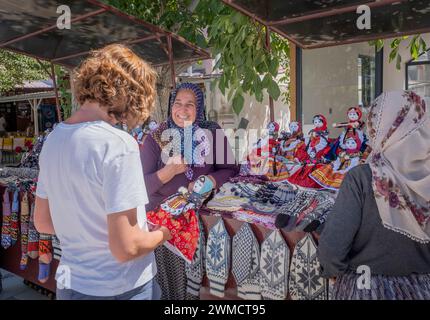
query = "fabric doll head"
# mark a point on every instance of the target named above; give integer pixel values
(320, 122)
(294, 127)
(152, 125)
(352, 142)
(203, 185)
(273, 127)
(354, 114)
(312, 152)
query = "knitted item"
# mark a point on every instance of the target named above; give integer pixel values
(245, 263)
(195, 269)
(6, 240)
(57, 248)
(218, 258)
(324, 203)
(171, 274)
(274, 263)
(33, 237)
(305, 280)
(45, 257)
(250, 288)
(25, 217)
(241, 253)
(289, 212)
(14, 218)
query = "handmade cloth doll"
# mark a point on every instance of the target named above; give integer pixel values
(289, 146)
(317, 140)
(138, 134)
(267, 145)
(353, 126)
(331, 175)
(178, 214)
(289, 151)
(261, 159)
(301, 177)
(354, 119)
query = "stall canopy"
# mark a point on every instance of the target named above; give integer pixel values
(30, 27)
(322, 23)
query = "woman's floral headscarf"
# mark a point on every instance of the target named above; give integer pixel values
(399, 134)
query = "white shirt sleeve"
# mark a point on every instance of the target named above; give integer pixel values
(123, 183)
(40, 190)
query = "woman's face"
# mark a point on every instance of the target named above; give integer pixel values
(353, 115)
(184, 110)
(318, 122)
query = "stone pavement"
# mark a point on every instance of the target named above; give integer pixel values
(15, 289)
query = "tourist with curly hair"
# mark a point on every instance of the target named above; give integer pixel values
(91, 191)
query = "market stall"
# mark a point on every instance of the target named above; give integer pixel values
(95, 25)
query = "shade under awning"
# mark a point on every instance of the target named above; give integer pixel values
(322, 23)
(30, 27)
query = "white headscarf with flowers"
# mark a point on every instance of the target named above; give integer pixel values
(398, 126)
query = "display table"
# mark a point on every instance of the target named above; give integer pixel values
(232, 226)
(10, 259)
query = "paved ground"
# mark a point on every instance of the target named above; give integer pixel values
(15, 289)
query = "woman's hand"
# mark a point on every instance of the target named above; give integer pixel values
(175, 165)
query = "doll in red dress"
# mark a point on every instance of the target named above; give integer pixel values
(311, 154)
(330, 176)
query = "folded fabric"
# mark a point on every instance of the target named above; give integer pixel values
(306, 212)
(263, 208)
(218, 258)
(6, 238)
(195, 270)
(265, 220)
(274, 265)
(24, 219)
(305, 280)
(245, 263)
(56, 247)
(33, 237)
(288, 213)
(184, 229)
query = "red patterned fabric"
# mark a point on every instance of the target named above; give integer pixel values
(302, 176)
(184, 229)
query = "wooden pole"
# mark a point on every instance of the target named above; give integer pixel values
(57, 99)
(172, 65)
(271, 107)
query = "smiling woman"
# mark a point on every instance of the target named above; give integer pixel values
(184, 165)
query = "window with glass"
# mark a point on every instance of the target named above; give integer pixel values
(418, 75)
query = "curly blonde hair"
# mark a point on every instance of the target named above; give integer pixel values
(119, 80)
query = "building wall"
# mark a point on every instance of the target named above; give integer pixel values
(330, 82)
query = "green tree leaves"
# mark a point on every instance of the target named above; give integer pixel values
(238, 40)
(16, 68)
(417, 46)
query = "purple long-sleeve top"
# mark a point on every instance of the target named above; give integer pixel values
(221, 170)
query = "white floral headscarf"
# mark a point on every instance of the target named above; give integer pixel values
(399, 134)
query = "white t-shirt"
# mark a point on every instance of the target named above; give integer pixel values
(88, 171)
